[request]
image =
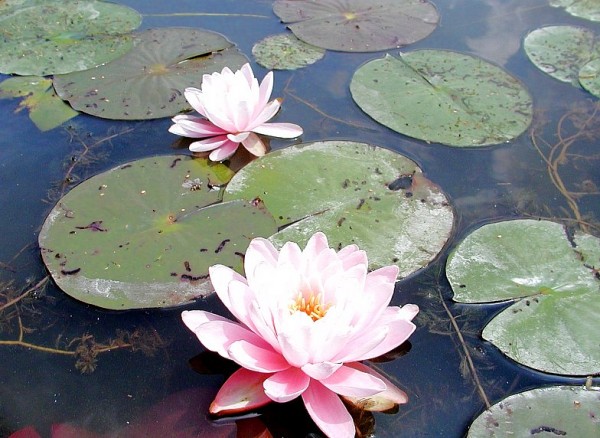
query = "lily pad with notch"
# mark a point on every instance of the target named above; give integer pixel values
(586, 9)
(443, 97)
(358, 25)
(549, 411)
(145, 233)
(46, 109)
(354, 193)
(42, 38)
(551, 279)
(561, 51)
(149, 81)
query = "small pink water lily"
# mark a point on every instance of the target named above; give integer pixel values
(235, 109)
(306, 318)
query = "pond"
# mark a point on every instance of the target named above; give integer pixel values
(84, 370)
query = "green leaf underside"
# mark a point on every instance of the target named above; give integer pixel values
(561, 51)
(552, 325)
(46, 109)
(443, 97)
(354, 193)
(145, 233)
(546, 412)
(42, 38)
(358, 25)
(149, 81)
(586, 9)
(285, 52)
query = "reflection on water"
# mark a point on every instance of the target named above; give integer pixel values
(118, 386)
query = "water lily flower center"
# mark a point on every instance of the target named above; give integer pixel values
(312, 305)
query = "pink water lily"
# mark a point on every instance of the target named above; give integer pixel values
(306, 318)
(234, 109)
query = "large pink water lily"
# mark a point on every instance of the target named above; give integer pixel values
(305, 320)
(235, 108)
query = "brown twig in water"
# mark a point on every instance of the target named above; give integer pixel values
(558, 155)
(468, 358)
(15, 300)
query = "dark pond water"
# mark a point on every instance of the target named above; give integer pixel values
(42, 388)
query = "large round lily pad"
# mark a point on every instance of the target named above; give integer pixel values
(561, 51)
(552, 411)
(553, 323)
(443, 97)
(586, 9)
(358, 25)
(354, 193)
(145, 233)
(50, 37)
(148, 82)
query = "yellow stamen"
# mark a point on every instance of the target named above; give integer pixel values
(313, 306)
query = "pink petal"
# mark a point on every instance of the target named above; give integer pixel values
(254, 145)
(322, 370)
(286, 385)
(266, 87)
(265, 115)
(217, 333)
(238, 138)
(327, 411)
(382, 401)
(220, 277)
(315, 245)
(194, 97)
(362, 344)
(246, 71)
(279, 130)
(257, 358)
(352, 382)
(242, 392)
(399, 330)
(209, 144)
(223, 152)
(259, 251)
(193, 127)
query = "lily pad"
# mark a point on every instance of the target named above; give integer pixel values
(148, 82)
(589, 77)
(586, 9)
(354, 193)
(358, 25)
(443, 97)
(561, 51)
(145, 233)
(551, 278)
(46, 109)
(285, 52)
(42, 38)
(551, 411)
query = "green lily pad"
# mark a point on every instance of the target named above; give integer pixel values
(553, 322)
(552, 411)
(443, 97)
(42, 38)
(46, 109)
(354, 193)
(589, 77)
(145, 233)
(586, 9)
(358, 25)
(561, 51)
(285, 52)
(148, 82)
